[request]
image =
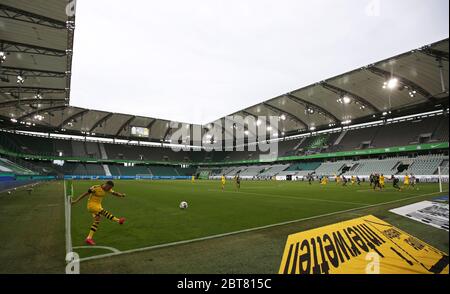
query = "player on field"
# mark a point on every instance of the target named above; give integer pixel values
(223, 180)
(395, 182)
(406, 181)
(358, 180)
(371, 179)
(94, 205)
(344, 181)
(238, 182)
(193, 179)
(310, 179)
(376, 181)
(413, 181)
(353, 180)
(382, 181)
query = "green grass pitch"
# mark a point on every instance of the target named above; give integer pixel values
(154, 218)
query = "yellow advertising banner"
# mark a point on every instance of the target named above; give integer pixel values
(365, 245)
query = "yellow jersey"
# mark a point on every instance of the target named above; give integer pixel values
(96, 195)
(223, 180)
(382, 180)
(406, 181)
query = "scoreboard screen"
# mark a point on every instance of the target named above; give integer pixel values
(140, 132)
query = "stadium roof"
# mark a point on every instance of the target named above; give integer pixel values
(414, 81)
(37, 38)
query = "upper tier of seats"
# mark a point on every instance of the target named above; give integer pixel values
(432, 129)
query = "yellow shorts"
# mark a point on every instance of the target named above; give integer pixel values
(94, 208)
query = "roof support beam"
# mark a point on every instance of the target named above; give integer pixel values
(73, 117)
(25, 16)
(150, 125)
(41, 90)
(438, 54)
(225, 130)
(404, 81)
(245, 112)
(15, 47)
(307, 104)
(101, 121)
(27, 72)
(30, 102)
(124, 125)
(166, 133)
(342, 92)
(287, 113)
(43, 110)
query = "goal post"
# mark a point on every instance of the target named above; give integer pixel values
(440, 179)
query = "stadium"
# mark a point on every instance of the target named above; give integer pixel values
(367, 142)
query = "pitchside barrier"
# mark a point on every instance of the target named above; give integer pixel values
(9, 183)
(421, 178)
(137, 177)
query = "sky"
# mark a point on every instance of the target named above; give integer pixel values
(198, 60)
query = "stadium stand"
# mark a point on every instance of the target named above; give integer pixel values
(333, 168)
(432, 129)
(369, 166)
(79, 149)
(426, 165)
(358, 139)
(441, 132)
(274, 170)
(163, 171)
(404, 133)
(63, 147)
(304, 166)
(7, 166)
(121, 170)
(253, 171)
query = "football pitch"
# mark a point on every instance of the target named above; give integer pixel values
(226, 231)
(155, 220)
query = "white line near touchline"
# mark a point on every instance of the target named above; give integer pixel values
(291, 197)
(67, 216)
(115, 250)
(248, 230)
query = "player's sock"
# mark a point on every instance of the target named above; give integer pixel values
(109, 215)
(94, 228)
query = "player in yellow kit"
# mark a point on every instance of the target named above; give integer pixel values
(382, 181)
(353, 180)
(406, 181)
(223, 181)
(94, 205)
(193, 179)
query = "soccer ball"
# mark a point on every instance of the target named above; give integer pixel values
(183, 205)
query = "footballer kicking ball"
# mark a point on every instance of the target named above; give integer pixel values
(183, 205)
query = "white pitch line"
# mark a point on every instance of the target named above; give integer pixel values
(115, 250)
(67, 216)
(249, 230)
(292, 197)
